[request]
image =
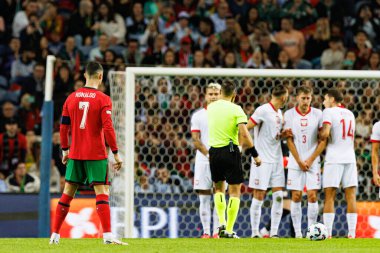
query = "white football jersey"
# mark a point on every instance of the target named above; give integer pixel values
(199, 124)
(340, 148)
(267, 133)
(305, 133)
(375, 136)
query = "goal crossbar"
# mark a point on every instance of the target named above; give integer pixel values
(233, 72)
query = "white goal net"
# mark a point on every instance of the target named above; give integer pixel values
(153, 196)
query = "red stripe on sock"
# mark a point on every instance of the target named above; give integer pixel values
(104, 212)
(61, 212)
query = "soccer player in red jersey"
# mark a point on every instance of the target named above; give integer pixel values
(86, 115)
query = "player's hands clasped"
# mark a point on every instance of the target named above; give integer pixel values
(286, 133)
(303, 166)
(309, 163)
(118, 162)
(257, 161)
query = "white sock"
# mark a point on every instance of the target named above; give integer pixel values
(328, 220)
(296, 214)
(55, 236)
(276, 212)
(107, 236)
(205, 212)
(215, 221)
(312, 213)
(352, 219)
(255, 215)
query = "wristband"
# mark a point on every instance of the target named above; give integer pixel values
(253, 152)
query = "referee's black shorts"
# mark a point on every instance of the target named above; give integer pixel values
(226, 165)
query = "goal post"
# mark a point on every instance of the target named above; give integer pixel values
(260, 81)
(46, 151)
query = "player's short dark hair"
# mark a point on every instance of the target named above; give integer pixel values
(228, 88)
(93, 68)
(279, 90)
(336, 94)
(303, 89)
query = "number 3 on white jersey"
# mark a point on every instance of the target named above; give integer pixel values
(84, 106)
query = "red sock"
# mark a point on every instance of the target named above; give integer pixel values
(61, 212)
(104, 213)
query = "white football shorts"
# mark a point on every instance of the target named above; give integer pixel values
(202, 176)
(267, 175)
(297, 179)
(336, 173)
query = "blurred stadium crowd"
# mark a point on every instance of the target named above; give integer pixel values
(293, 34)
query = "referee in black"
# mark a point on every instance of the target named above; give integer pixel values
(227, 128)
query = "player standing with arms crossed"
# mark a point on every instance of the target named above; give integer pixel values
(202, 174)
(375, 139)
(303, 168)
(268, 122)
(227, 128)
(86, 115)
(340, 163)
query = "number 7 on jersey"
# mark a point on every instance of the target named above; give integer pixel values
(84, 106)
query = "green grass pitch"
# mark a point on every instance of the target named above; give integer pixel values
(27, 245)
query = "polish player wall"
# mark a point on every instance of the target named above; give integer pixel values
(163, 109)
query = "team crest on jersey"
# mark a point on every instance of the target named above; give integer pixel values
(289, 182)
(257, 181)
(108, 112)
(303, 122)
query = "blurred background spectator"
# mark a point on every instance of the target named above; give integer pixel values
(12, 147)
(20, 181)
(8, 111)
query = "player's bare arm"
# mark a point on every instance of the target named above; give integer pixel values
(318, 151)
(118, 162)
(325, 132)
(246, 142)
(245, 138)
(196, 137)
(375, 163)
(286, 133)
(293, 150)
(250, 125)
(324, 135)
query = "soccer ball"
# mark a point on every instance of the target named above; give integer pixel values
(317, 232)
